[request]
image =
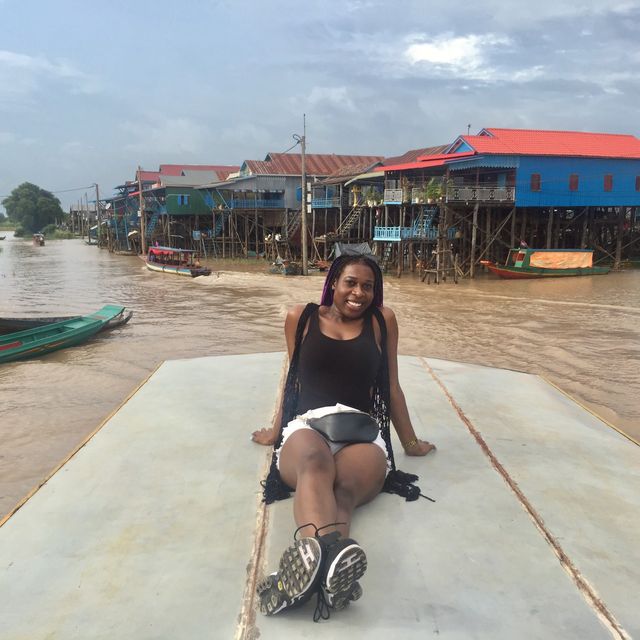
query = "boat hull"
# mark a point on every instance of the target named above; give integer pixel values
(11, 325)
(189, 272)
(521, 273)
(58, 335)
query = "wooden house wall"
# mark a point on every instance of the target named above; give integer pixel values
(196, 204)
(554, 175)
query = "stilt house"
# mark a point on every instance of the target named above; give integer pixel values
(484, 193)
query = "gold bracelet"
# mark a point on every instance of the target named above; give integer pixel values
(409, 444)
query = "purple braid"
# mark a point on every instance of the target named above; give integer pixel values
(338, 266)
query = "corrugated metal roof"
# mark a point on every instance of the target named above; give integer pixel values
(438, 160)
(316, 164)
(191, 179)
(222, 170)
(535, 142)
(147, 176)
(350, 171)
(414, 154)
(266, 183)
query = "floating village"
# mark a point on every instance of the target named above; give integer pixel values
(446, 211)
(154, 526)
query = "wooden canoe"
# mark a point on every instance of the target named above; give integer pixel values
(11, 325)
(58, 335)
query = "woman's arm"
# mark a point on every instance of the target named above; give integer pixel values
(268, 435)
(399, 412)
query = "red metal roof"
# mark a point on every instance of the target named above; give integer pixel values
(147, 176)
(429, 161)
(318, 164)
(223, 170)
(554, 143)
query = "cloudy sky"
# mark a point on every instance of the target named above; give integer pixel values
(90, 89)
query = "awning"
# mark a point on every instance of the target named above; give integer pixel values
(164, 251)
(415, 165)
(365, 176)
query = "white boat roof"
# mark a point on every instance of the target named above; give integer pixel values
(155, 528)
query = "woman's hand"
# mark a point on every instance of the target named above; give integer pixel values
(419, 448)
(264, 436)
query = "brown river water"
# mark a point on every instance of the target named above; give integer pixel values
(583, 334)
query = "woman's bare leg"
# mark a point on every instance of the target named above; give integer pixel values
(307, 465)
(360, 474)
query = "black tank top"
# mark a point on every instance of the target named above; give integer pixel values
(331, 371)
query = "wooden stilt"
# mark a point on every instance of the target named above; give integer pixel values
(487, 235)
(474, 232)
(549, 228)
(619, 231)
(523, 224)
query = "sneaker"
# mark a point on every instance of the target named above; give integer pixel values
(341, 599)
(345, 564)
(297, 578)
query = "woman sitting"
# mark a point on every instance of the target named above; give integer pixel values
(342, 359)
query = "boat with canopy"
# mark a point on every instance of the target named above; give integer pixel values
(182, 262)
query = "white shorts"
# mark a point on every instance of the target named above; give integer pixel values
(300, 422)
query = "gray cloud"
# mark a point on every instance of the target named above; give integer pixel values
(223, 81)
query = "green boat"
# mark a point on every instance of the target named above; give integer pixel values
(524, 262)
(59, 335)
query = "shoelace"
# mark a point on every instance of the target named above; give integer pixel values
(322, 611)
(317, 529)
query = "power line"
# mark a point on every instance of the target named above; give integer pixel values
(91, 186)
(295, 144)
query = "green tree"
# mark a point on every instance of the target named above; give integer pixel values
(31, 207)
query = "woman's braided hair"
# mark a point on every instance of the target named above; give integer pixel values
(397, 481)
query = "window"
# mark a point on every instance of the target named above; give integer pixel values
(535, 182)
(573, 182)
(637, 183)
(183, 200)
(608, 182)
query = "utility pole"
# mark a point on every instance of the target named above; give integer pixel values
(303, 209)
(303, 231)
(143, 222)
(99, 229)
(86, 204)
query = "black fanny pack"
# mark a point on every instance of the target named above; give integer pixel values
(347, 426)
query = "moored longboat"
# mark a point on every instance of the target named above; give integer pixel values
(58, 335)
(181, 262)
(525, 262)
(11, 325)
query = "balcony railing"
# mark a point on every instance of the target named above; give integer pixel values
(396, 196)
(395, 234)
(481, 194)
(326, 203)
(250, 203)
